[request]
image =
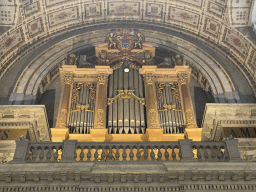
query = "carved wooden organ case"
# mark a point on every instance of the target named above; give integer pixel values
(105, 100)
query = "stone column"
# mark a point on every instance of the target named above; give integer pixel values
(153, 131)
(99, 131)
(60, 132)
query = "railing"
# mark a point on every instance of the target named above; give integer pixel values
(73, 151)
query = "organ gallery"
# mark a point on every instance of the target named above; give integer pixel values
(125, 97)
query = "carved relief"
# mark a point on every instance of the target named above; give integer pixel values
(126, 94)
(62, 122)
(102, 79)
(149, 79)
(100, 116)
(183, 78)
(152, 118)
(68, 78)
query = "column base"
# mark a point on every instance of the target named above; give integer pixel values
(154, 134)
(193, 133)
(58, 135)
(99, 135)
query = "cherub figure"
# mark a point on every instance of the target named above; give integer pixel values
(138, 44)
(177, 60)
(111, 43)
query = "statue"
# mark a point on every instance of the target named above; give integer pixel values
(111, 43)
(138, 44)
(177, 60)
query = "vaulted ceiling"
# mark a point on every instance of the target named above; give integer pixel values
(220, 24)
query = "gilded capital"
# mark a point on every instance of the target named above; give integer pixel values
(68, 78)
(149, 79)
(102, 79)
(183, 78)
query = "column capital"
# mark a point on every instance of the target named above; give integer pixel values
(149, 78)
(183, 78)
(68, 78)
(102, 79)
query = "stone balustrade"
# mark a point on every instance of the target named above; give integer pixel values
(73, 151)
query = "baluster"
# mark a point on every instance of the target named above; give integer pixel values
(55, 156)
(49, 154)
(199, 154)
(152, 154)
(82, 154)
(124, 155)
(220, 154)
(173, 154)
(159, 154)
(27, 156)
(180, 154)
(213, 155)
(96, 154)
(145, 154)
(89, 155)
(110, 155)
(138, 153)
(75, 154)
(225, 155)
(206, 155)
(103, 155)
(117, 153)
(41, 156)
(34, 154)
(131, 153)
(166, 154)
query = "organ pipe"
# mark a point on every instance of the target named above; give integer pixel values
(170, 109)
(82, 109)
(126, 110)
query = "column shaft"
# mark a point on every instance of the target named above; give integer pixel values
(151, 102)
(101, 103)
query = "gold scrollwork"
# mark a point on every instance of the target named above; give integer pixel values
(167, 107)
(100, 118)
(78, 86)
(68, 78)
(149, 79)
(102, 79)
(152, 118)
(159, 91)
(118, 65)
(80, 107)
(126, 94)
(173, 86)
(183, 78)
(189, 117)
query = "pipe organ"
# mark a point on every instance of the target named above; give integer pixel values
(170, 108)
(82, 108)
(126, 106)
(112, 103)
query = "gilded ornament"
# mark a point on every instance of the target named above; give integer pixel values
(189, 117)
(62, 119)
(149, 79)
(172, 107)
(102, 79)
(100, 117)
(68, 78)
(126, 94)
(183, 78)
(79, 85)
(152, 118)
(80, 107)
